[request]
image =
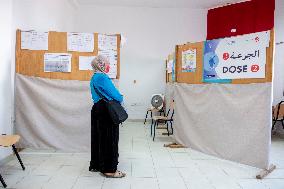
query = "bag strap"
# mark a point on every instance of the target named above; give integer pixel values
(100, 94)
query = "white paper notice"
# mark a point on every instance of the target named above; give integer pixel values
(57, 62)
(85, 62)
(81, 42)
(34, 40)
(170, 66)
(107, 42)
(111, 55)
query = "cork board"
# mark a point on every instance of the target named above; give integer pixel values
(31, 62)
(190, 77)
(169, 75)
(197, 77)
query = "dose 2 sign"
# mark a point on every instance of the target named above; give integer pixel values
(236, 57)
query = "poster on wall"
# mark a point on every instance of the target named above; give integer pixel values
(236, 57)
(107, 42)
(189, 60)
(111, 55)
(107, 45)
(34, 40)
(57, 62)
(170, 66)
(80, 42)
(174, 71)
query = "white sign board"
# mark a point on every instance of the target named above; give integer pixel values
(236, 57)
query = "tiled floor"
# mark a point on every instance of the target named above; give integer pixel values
(148, 166)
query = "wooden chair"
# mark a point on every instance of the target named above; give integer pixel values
(152, 110)
(10, 141)
(166, 119)
(278, 114)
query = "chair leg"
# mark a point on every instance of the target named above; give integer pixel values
(146, 116)
(273, 125)
(18, 156)
(155, 125)
(152, 128)
(152, 121)
(172, 128)
(3, 182)
(168, 128)
(282, 123)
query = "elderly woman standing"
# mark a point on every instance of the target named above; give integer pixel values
(104, 133)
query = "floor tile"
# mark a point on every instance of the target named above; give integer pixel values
(88, 183)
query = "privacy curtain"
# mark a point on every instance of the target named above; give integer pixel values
(53, 113)
(228, 121)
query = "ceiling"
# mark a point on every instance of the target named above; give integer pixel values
(194, 4)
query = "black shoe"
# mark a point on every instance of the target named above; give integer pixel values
(91, 169)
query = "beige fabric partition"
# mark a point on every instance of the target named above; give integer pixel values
(53, 113)
(230, 121)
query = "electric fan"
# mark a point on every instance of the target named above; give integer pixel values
(157, 101)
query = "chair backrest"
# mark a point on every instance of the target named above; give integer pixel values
(278, 110)
(171, 109)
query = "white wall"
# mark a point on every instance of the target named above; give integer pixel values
(152, 34)
(278, 82)
(5, 71)
(45, 15)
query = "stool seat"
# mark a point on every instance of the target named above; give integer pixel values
(160, 118)
(8, 140)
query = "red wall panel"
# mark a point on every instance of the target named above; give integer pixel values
(247, 17)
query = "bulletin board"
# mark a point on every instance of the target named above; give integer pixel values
(197, 77)
(190, 77)
(169, 78)
(31, 62)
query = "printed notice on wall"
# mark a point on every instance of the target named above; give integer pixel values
(34, 40)
(85, 62)
(57, 62)
(107, 42)
(80, 42)
(189, 60)
(170, 66)
(111, 55)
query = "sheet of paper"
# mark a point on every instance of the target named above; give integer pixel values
(189, 60)
(170, 66)
(81, 42)
(34, 40)
(111, 55)
(107, 42)
(85, 62)
(57, 62)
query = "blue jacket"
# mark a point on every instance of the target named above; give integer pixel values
(105, 86)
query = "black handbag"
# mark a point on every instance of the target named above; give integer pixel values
(116, 111)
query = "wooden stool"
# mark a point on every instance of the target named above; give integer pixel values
(10, 141)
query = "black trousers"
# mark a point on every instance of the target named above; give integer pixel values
(104, 140)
